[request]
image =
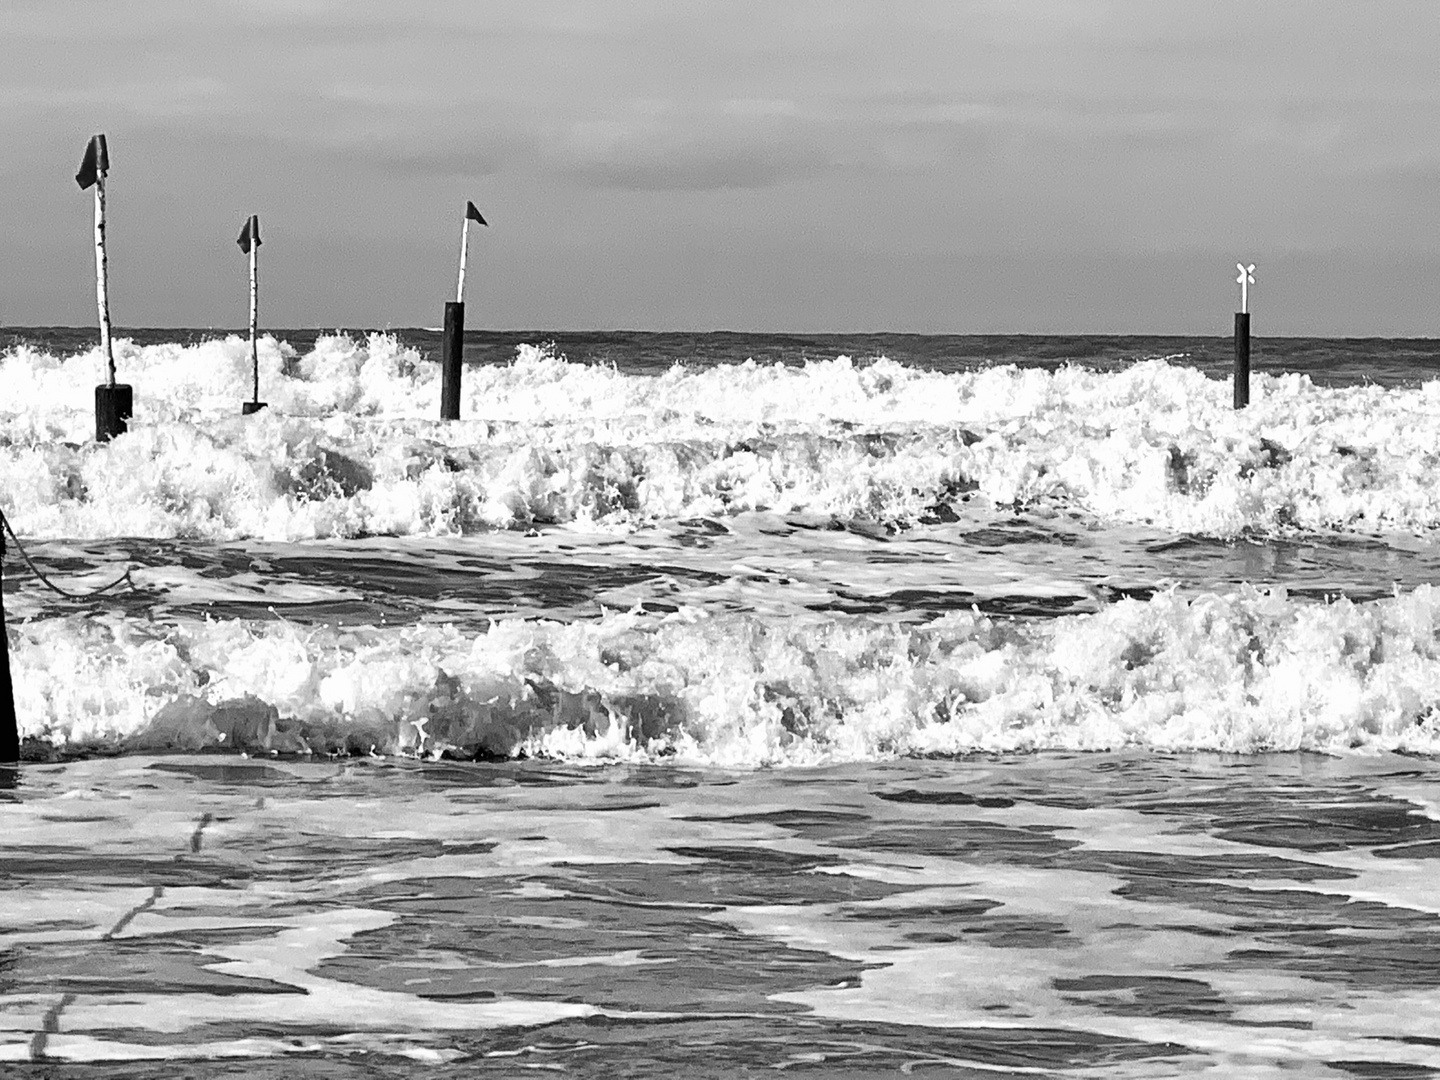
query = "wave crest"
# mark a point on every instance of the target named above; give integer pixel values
(1239, 672)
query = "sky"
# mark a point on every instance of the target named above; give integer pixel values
(935, 166)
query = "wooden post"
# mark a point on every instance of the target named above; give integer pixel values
(1242, 359)
(9, 726)
(1242, 336)
(452, 349)
(114, 405)
(250, 244)
(113, 401)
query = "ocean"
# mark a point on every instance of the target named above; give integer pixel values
(708, 704)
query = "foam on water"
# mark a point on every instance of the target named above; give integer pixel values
(1244, 671)
(349, 447)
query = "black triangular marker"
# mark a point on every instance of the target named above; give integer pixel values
(474, 215)
(95, 164)
(250, 234)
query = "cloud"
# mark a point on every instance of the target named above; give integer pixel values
(928, 133)
(737, 144)
(156, 99)
(469, 154)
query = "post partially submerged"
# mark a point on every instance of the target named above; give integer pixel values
(249, 242)
(452, 340)
(114, 400)
(9, 726)
(1242, 336)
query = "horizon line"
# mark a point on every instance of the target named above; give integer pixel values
(334, 329)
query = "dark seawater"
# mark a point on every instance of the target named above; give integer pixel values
(1327, 361)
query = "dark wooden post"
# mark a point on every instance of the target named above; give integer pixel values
(452, 350)
(9, 726)
(1242, 359)
(113, 408)
(1242, 335)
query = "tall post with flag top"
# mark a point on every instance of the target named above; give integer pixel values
(249, 242)
(452, 342)
(113, 401)
(1242, 336)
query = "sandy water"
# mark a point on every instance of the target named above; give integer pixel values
(1052, 915)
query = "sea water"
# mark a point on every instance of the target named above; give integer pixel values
(866, 704)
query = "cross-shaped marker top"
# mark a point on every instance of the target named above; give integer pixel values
(1246, 279)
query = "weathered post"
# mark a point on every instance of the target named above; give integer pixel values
(452, 349)
(9, 726)
(452, 340)
(1242, 336)
(250, 244)
(113, 401)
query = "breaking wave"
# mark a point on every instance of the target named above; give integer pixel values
(349, 446)
(1243, 671)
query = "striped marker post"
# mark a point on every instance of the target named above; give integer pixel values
(1242, 336)
(113, 401)
(249, 242)
(9, 726)
(452, 340)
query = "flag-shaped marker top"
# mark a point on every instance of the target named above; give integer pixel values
(250, 234)
(472, 213)
(96, 162)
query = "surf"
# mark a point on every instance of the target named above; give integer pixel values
(349, 446)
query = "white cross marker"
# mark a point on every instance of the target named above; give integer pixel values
(1246, 279)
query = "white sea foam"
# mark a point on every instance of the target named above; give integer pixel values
(349, 445)
(1245, 671)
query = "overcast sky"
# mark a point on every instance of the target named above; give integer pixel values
(785, 165)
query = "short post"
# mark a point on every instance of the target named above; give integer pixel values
(9, 726)
(250, 244)
(452, 348)
(1242, 336)
(452, 341)
(114, 401)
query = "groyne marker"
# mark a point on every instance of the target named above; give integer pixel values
(249, 242)
(1242, 336)
(9, 726)
(113, 401)
(452, 340)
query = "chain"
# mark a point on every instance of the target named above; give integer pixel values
(123, 579)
